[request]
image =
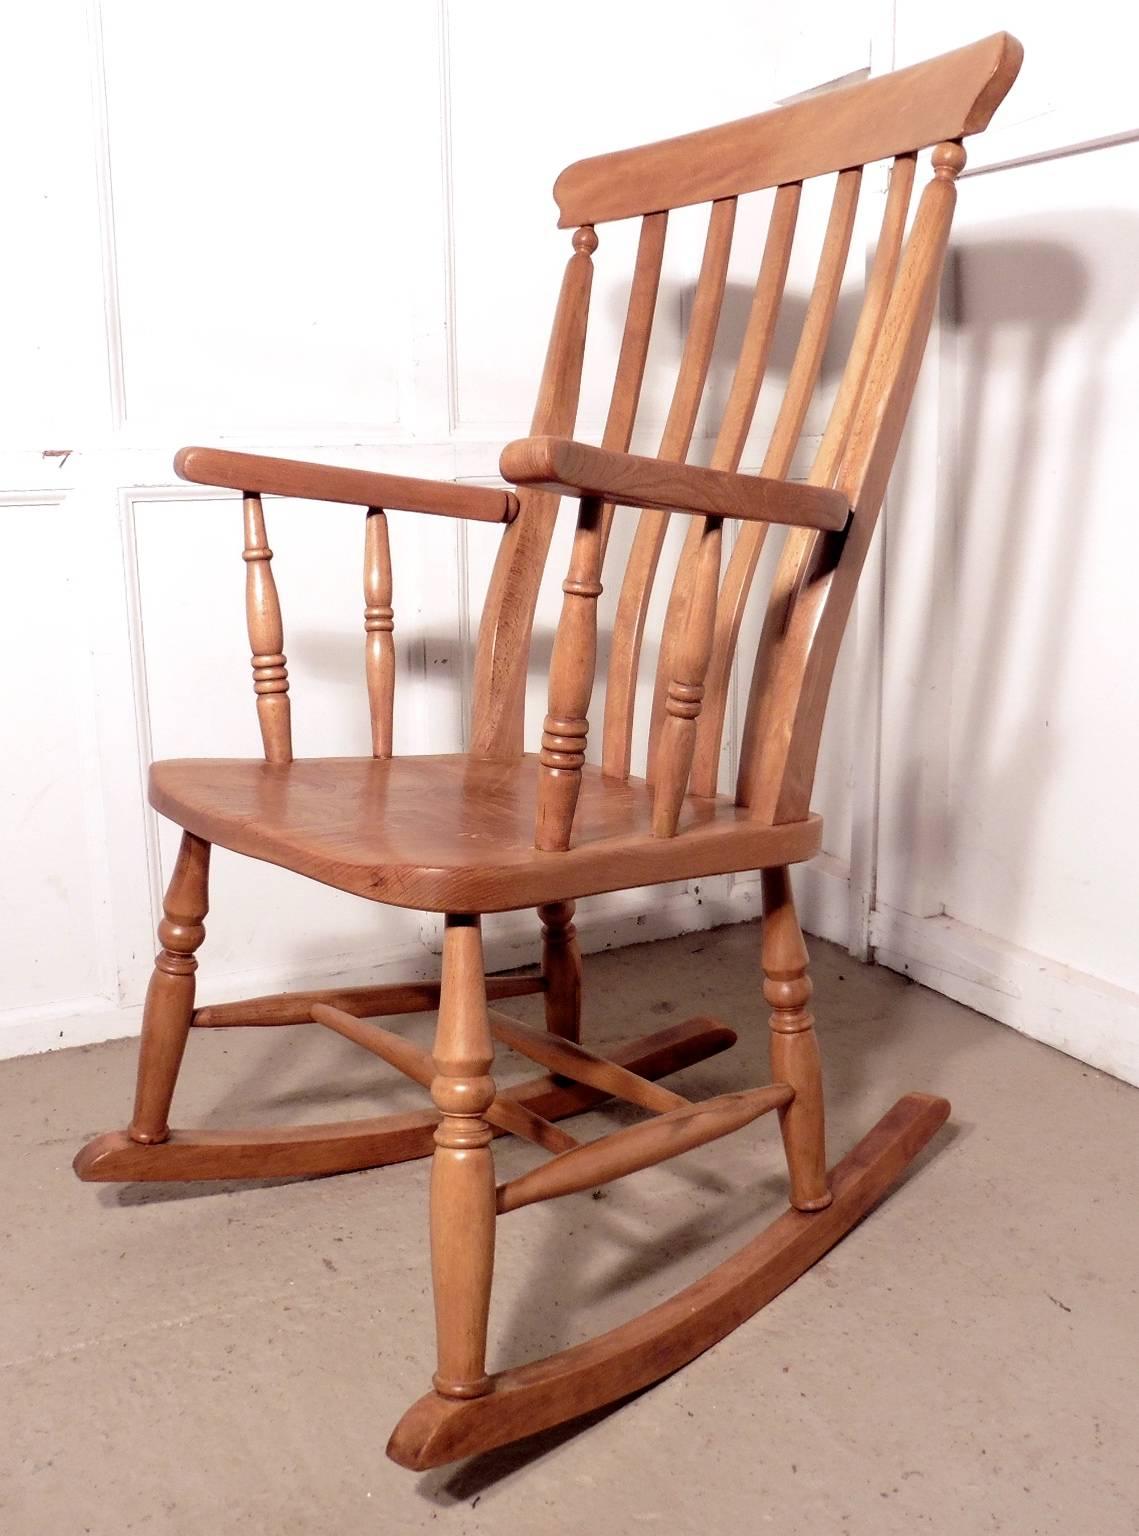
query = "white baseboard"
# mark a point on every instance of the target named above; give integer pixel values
(89, 1021)
(822, 896)
(56, 1026)
(1085, 1017)
(1089, 1019)
(512, 939)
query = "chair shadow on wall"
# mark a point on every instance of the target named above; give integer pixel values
(1022, 294)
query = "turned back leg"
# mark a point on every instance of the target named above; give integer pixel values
(794, 1048)
(561, 966)
(170, 996)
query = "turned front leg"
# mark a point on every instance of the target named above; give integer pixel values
(462, 1170)
(170, 996)
(794, 1049)
(561, 968)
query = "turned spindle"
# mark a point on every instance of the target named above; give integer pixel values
(794, 1048)
(266, 638)
(566, 726)
(379, 623)
(462, 1170)
(170, 996)
(685, 696)
(498, 704)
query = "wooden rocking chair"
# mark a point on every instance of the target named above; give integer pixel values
(552, 828)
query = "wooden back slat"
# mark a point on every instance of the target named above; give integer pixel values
(751, 366)
(634, 345)
(734, 428)
(690, 652)
(815, 583)
(801, 383)
(943, 98)
(572, 666)
(503, 647)
(636, 589)
(879, 287)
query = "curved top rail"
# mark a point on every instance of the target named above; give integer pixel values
(943, 98)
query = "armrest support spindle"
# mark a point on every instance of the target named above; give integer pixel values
(266, 638)
(379, 623)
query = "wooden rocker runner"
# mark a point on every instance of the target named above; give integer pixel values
(553, 827)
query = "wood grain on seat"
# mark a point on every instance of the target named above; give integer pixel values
(455, 834)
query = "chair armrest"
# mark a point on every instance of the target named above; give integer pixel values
(576, 469)
(254, 472)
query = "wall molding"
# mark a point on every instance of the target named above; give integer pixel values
(95, 1019)
(447, 191)
(105, 202)
(1072, 1011)
(1060, 151)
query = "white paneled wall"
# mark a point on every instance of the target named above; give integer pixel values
(329, 232)
(1010, 751)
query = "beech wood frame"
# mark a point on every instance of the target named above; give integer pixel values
(591, 831)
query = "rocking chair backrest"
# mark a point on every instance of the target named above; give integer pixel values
(934, 103)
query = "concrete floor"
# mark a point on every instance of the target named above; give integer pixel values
(230, 1358)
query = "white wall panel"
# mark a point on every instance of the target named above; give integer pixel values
(526, 100)
(1010, 745)
(53, 382)
(1045, 719)
(52, 941)
(264, 160)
